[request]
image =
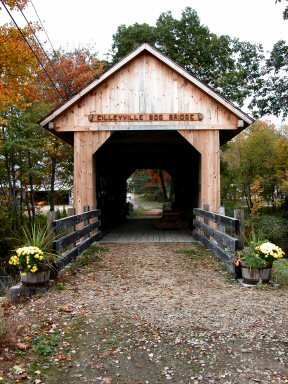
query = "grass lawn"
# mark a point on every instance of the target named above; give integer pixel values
(280, 272)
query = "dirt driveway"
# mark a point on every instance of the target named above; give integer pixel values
(154, 313)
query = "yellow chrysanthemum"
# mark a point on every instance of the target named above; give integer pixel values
(34, 269)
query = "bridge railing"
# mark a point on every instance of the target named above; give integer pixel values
(219, 233)
(74, 237)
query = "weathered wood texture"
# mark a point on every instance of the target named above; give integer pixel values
(207, 144)
(225, 221)
(221, 244)
(81, 238)
(85, 146)
(146, 85)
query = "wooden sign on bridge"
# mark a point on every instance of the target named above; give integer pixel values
(93, 117)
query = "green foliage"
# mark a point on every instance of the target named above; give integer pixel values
(152, 184)
(253, 155)
(59, 287)
(46, 344)
(38, 236)
(137, 212)
(228, 65)
(280, 272)
(128, 38)
(272, 87)
(285, 12)
(250, 259)
(89, 256)
(273, 228)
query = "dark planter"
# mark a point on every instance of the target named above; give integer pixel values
(254, 276)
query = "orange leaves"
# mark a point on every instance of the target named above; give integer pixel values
(15, 3)
(17, 70)
(72, 71)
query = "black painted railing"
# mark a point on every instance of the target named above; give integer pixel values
(74, 237)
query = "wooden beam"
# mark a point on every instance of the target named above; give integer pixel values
(85, 146)
(226, 221)
(222, 238)
(165, 126)
(208, 145)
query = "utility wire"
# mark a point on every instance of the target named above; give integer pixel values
(54, 51)
(34, 53)
(36, 38)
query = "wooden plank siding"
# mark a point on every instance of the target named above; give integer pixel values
(146, 85)
(207, 144)
(85, 146)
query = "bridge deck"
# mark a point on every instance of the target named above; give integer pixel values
(142, 230)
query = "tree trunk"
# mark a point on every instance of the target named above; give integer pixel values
(165, 196)
(52, 183)
(31, 195)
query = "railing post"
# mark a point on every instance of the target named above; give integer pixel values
(221, 212)
(71, 212)
(206, 219)
(51, 216)
(86, 208)
(239, 214)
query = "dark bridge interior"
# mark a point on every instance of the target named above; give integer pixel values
(124, 152)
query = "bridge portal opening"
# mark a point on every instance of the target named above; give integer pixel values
(125, 152)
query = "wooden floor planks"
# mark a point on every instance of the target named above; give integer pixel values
(142, 230)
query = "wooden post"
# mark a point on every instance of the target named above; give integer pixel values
(206, 220)
(86, 208)
(208, 145)
(85, 146)
(221, 212)
(71, 212)
(239, 214)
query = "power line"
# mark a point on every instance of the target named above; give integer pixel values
(54, 51)
(43, 50)
(34, 53)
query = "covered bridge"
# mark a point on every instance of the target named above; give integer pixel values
(146, 112)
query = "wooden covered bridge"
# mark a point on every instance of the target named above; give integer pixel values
(146, 112)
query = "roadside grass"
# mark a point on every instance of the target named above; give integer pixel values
(89, 256)
(280, 272)
(46, 344)
(199, 254)
(203, 257)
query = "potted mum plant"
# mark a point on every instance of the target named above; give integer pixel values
(256, 261)
(34, 259)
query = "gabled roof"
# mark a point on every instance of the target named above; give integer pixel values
(146, 47)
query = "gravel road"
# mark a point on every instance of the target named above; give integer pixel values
(160, 313)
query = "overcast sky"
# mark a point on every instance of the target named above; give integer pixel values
(72, 23)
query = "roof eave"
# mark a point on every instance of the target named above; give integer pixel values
(243, 116)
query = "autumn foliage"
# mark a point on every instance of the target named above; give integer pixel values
(18, 69)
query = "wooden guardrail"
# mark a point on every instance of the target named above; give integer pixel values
(78, 239)
(210, 230)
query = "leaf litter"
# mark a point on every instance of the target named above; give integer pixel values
(151, 313)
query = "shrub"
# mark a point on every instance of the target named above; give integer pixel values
(273, 228)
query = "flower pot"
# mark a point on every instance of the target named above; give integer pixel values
(254, 276)
(36, 279)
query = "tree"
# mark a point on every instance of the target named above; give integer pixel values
(228, 65)
(285, 12)
(281, 160)
(128, 38)
(271, 93)
(252, 157)
(71, 71)
(18, 69)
